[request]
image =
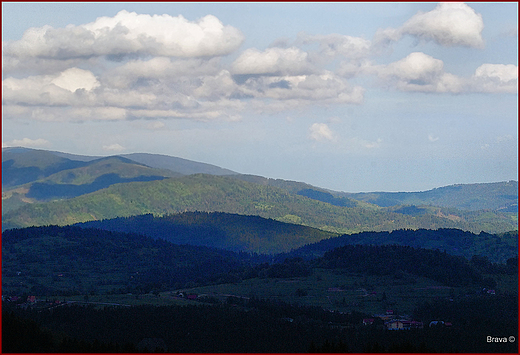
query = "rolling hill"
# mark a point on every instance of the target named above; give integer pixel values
(267, 236)
(212, 193)
(496, 248)
(44, 187)
(30, 175)
(83, 178)
(71, 260)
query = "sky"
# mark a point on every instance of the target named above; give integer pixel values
(352, 97)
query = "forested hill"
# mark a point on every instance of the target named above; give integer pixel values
(393, 260)
(496, 248)
(74, 260)
(216, 229)
(211, 193)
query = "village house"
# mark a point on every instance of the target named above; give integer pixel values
(403, 324)
(368, 321)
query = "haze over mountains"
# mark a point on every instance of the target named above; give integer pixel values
(42, 187)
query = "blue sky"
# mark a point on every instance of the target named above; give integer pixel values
(347, 96)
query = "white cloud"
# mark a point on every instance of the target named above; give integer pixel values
(333, 45)
(419, 72)
(159, 69)
(432, 138)
(171, 68)
(417, 67)
(76, 114)
(273, 61)
(156, 125)
(504, 138)
(216, 87)
(28, 143)
(449, 24)
(371, 145)
(114, 148)
(326, 88)
(129, 33)
(321, 132)
(73, 79)
(495, 78)
(54, 90)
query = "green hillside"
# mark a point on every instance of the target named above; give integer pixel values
(87, 177)
(494, 196)
(225, 194)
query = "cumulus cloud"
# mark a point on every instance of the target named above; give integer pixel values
(28, 143)
(113, 148)
(321, 132)
(495, 78)
(73, 79)
(324, 88)
(129, 33)
(217, 87)
(423, 73)
(66, 88)
(449, 24)
(419, 72)
(158, 67)
(273, 61)
(140, 72)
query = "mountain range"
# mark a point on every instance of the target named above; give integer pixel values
(43, 187)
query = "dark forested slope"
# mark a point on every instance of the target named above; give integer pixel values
(497, 248)
(74, 260)
(219, 230)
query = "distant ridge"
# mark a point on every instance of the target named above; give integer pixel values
(179, 165)
(501, 196)
(157, 161)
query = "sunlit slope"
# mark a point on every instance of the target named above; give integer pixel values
(225, 194)
(85, 178)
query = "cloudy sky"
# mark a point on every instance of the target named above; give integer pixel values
(346, 96)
